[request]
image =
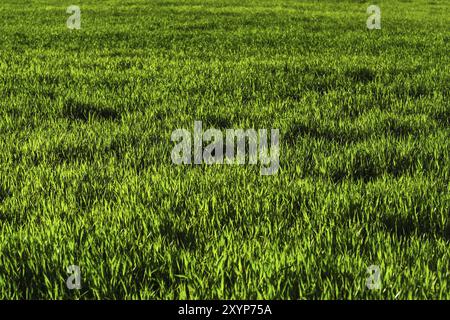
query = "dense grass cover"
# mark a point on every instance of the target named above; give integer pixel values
(87, 179)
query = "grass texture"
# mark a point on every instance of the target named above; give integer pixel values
(87, 179)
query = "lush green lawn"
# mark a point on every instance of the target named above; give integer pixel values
(87, 179)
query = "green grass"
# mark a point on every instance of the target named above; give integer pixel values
(87, 179)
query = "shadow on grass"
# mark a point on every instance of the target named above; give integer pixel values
(443, 117)
(363, 75)
(405, 227)
(298, 129)
(181, 237)
(4, 193)
(75, 110)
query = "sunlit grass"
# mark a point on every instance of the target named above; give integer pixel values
(87, 179)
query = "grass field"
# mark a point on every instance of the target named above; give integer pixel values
(86, 118)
